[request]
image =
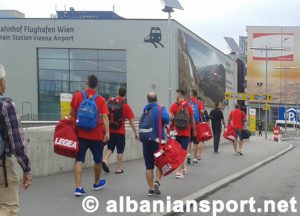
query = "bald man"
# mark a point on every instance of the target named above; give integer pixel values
(150, 147)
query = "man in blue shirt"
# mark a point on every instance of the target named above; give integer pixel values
(150, 148)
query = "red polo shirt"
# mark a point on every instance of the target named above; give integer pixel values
(98, 132)
(237, 117)
(174, 109)
(126, 114)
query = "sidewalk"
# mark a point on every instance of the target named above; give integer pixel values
(53, 195)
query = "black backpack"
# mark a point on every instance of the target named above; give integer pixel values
(182, 117)
(115, 108)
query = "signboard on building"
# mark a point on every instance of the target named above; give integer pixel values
(235, 96)
(292, 114)
(65, 101)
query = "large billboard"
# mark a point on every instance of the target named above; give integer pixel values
(204, 69)
(280, 63)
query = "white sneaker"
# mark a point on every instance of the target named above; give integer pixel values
(179, 175)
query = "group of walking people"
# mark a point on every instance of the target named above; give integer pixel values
(181, 121)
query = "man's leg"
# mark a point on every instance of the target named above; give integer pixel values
(77, 173)
(97, 171)
(241, 144)
(149, 177)
(107, 155)
(196, 150)
(83, 147)
(200, 149)
(120, 150)
(9, 197)
(218, 135)
(215, 139)
(96, 148)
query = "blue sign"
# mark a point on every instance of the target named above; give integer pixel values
(292, 114)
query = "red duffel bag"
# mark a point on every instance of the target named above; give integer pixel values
(65, 139)
(203, 131)
(229, 133)
(170, 155)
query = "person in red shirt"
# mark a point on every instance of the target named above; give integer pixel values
(182, 134)
(90, 139)
(237, 118)
(198, 110)
(117, 135)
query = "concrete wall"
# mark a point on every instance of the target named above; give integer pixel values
(45, 162)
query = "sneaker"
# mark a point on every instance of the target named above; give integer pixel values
(100, 185)
(150, 193)
(105, 167)
(157, 188)
(240, 153)
(188, 160)
(216, 152)
(179, 175)
(199, 158)
(195, 162)
(79, 192)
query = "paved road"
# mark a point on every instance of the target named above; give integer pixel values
(278, 180)
(52, 195)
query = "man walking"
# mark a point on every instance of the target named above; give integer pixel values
(93, 137)
(198, 110)
(149, 148)
(217, 117)
(237, 118)
(119, 111)
(183, 122)
(12, 142)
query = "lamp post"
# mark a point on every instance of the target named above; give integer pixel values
(259, 84)
(267, 49)
(285, 93)
(169, 8)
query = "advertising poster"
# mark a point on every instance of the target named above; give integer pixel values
(65, 101)
(283, 64)
(203, 69)
(252, 122)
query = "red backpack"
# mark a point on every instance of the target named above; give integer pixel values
(170, 155)
(65, 139)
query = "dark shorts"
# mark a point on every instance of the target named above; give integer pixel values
(238, 134)
(116, 140)
(184, 141)
(95, 146)
(148, 151)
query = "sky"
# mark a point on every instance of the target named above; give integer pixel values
(209, 19)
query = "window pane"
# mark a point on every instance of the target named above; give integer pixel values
(54, 64)
(77, 86)
(54, 86)
(83, 54)
(112, 55)
(112, 77)
(83, 65)
(53, 53)
(81, 75)
(116, 66)
(54, 75)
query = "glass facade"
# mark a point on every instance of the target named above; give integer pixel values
(66, 71)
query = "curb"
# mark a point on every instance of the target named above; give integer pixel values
(207, 191)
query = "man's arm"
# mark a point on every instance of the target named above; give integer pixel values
(72, 113)
(106, 127)
(16, 139)
(131, 122)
